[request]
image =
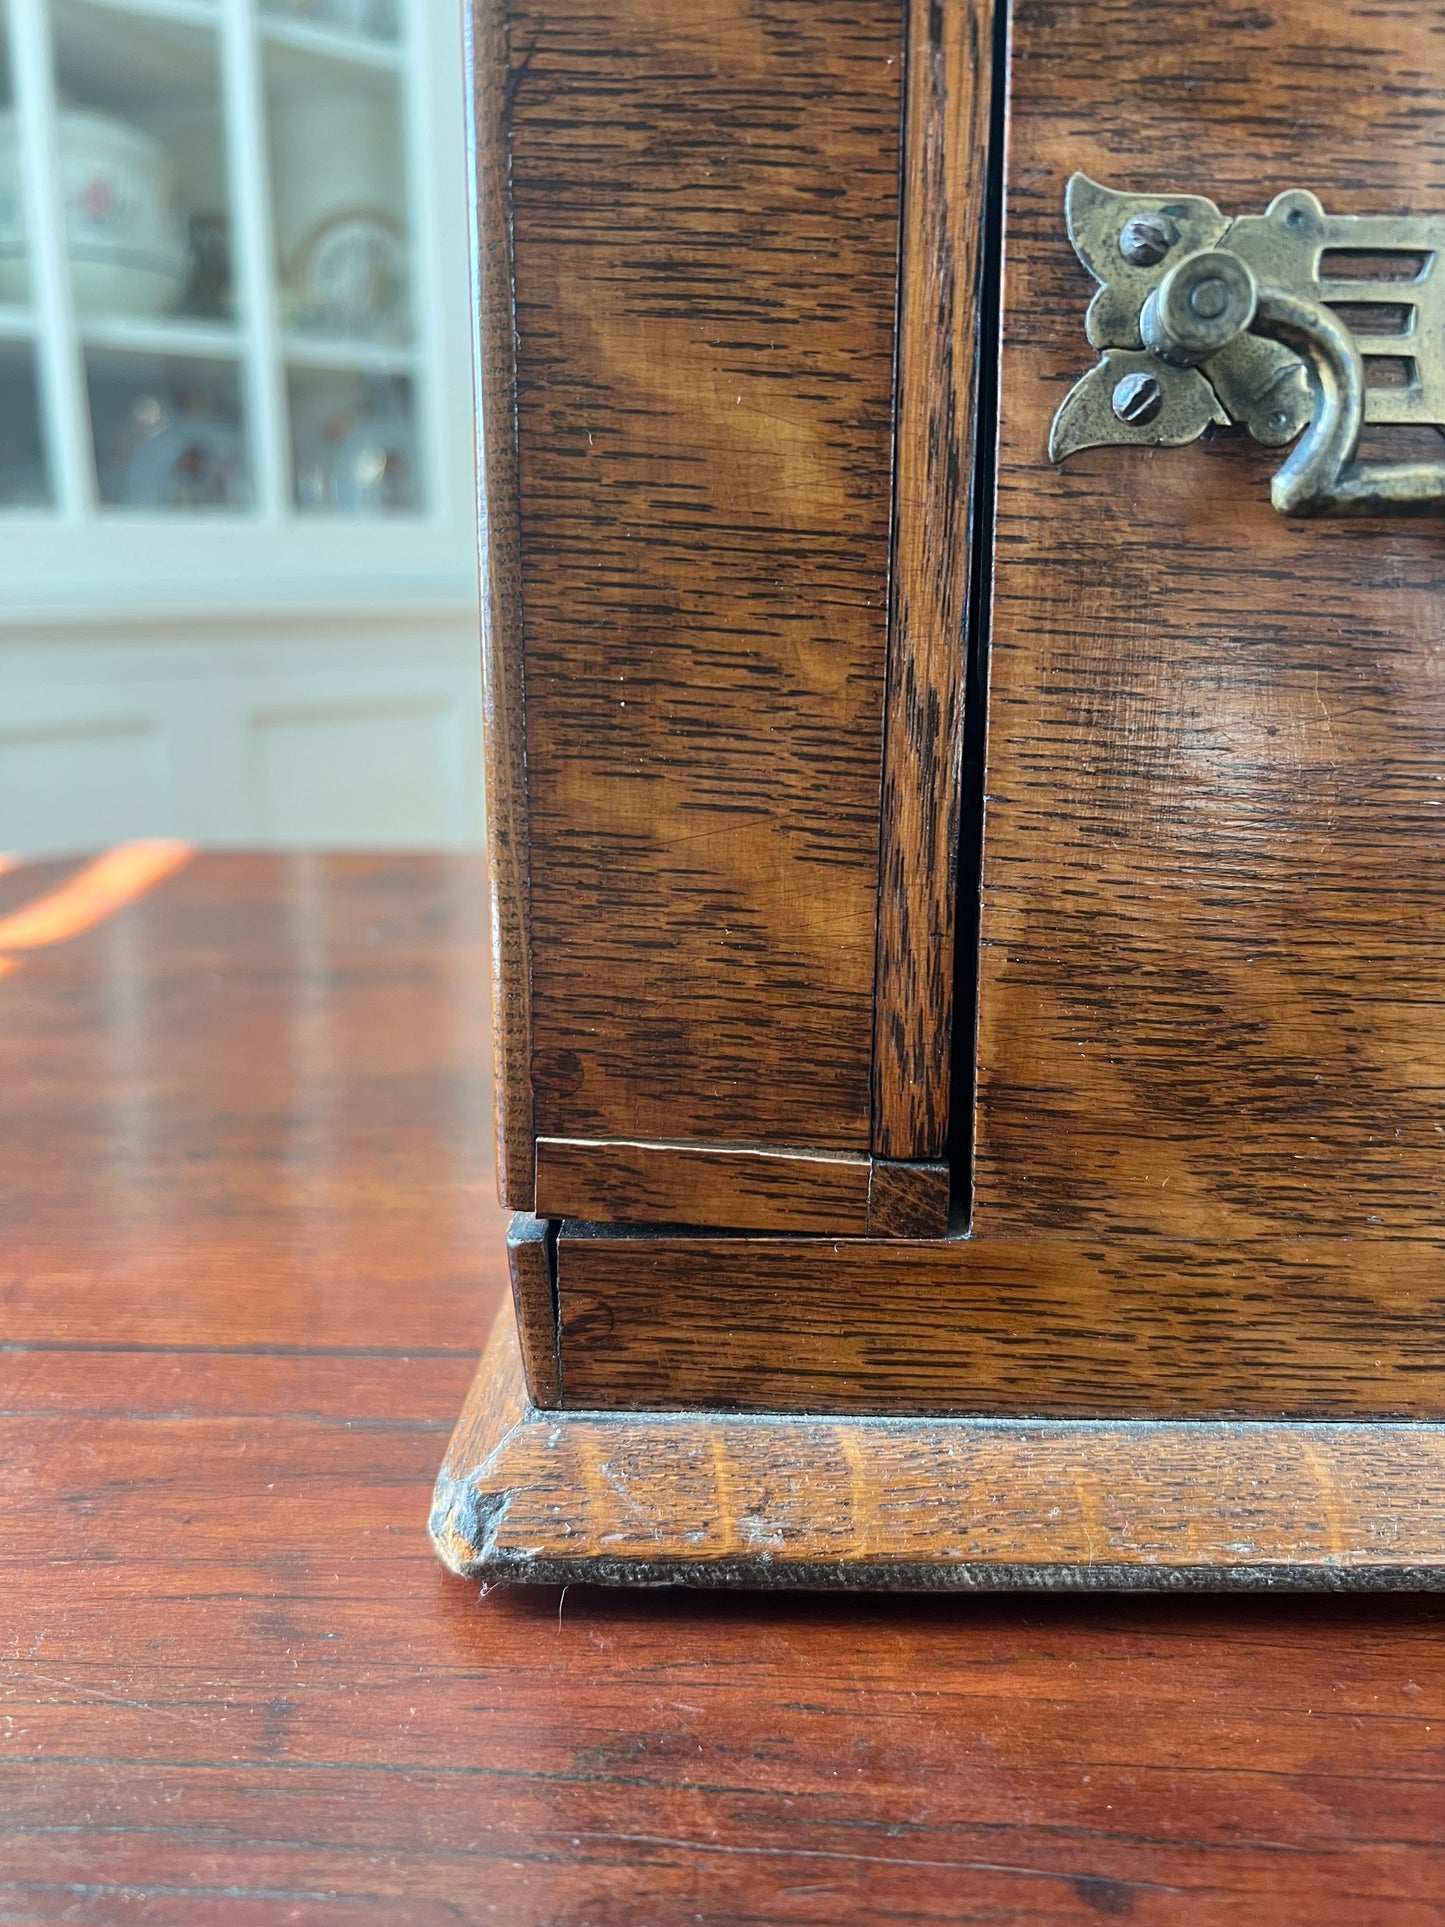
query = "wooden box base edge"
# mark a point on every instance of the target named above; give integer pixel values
(915, 1504)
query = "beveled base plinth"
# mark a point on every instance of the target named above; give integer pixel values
(905, 1504)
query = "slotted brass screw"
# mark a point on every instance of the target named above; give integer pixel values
(1138, 399)
(1145, 239)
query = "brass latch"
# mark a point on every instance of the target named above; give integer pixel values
(1267, 321)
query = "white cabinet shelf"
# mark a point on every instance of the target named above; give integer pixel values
(198, 13)
(212, 339)
(327, 44)
(234, 309)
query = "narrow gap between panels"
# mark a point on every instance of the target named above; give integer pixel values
(981, 505)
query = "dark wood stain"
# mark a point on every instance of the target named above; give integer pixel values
(534, 1303)
(908, 1200)
(739, 1186)
(503, 704)
(928, 1504)
(706, 230)
(1213, 964)
(944, 168)
(1040, 1327)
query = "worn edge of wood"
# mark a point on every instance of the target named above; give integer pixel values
(714, 1500)
(908, 1200)
(949, 59)
(743, 1187)
(532, 1261)
(499, 538)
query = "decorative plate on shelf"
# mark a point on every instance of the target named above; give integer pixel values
(184, 452)
(350, 277)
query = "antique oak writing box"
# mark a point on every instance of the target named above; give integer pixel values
(969, 870)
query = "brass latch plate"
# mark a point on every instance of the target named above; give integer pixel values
(1258, 321)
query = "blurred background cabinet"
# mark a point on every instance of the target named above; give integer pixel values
(236, 467)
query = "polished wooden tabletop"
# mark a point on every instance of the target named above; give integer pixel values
(250, 1250)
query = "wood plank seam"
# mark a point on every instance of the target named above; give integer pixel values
(757, 1187)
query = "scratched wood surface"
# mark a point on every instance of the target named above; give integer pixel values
(1214, 893)
(929, 1504)
(694, 1184)
(1013, 1328)
(705, 240)
(250, 1256)
(817, 1193)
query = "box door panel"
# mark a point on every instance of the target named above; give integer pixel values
(1212, 977)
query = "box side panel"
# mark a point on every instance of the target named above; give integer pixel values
(705, 213)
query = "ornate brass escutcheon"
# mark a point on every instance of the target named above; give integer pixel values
(1285, 322)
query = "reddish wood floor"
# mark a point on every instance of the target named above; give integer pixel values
(249, 1253)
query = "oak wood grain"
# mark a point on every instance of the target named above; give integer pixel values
(702, 1184)
(250, 1254)
(1213, 957)
(739, 1186)
(946, 130)
(705, 209)
(908, 1200)
(911, 1503)
(1297, 1328)
(504, 701)
(531, 1262)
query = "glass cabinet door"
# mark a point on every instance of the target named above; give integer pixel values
(209, 260)
(343, 254)
(138, 136)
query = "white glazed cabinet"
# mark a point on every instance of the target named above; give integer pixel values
(236, 469)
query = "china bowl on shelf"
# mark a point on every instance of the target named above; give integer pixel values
(124, 233)
(374, 468)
